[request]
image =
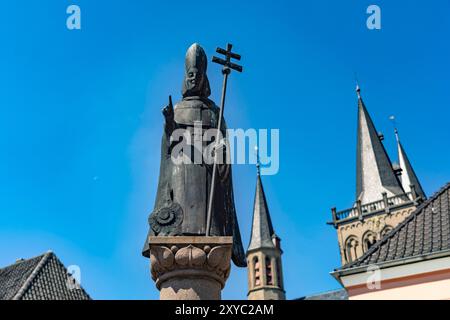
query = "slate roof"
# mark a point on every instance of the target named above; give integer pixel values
(340, 294)
(40, 278)
(262, 229)
(374, 172)
(426, 231)
(408, 176)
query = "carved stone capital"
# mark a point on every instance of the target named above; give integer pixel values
(190, 264)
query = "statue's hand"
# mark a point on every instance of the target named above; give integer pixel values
(168, 111)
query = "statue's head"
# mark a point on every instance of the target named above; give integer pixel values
(195, 79)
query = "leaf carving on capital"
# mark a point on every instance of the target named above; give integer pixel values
(161, 258)
(219, 257)
(204, 260)
(190, 256)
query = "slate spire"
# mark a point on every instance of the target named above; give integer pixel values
(262, 229)
(408, 177)
(374, 172)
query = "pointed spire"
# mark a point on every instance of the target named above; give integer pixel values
(408, 177)
(262, 229)
(375, 174)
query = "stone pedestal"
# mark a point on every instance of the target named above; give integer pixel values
(189, 267)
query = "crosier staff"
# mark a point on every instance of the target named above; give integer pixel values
(226, 70)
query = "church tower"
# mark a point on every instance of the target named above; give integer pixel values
(385, 195)
(265, 276)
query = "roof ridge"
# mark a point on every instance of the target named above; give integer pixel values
(32, 276)
(20, 261)
(389, 235)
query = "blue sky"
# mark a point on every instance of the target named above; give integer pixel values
(80, 121)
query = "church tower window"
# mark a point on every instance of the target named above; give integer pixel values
(386, 230)
(269, 273)
(257, 272)
(351, 246)
(369, 239)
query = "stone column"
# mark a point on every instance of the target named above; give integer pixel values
(190, 267)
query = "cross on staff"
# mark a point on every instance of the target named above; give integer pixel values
(227, 63)
(226, 70)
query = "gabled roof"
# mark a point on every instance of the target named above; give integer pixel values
(408, 176)
(262, 229)
(425, 232)
(40, 278)
(375, 174)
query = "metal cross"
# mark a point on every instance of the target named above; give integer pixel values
(227, 62)
(226, 70)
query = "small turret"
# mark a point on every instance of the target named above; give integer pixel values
(264, 252)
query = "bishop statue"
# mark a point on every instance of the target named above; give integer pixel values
(184, 188)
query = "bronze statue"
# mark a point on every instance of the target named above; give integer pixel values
(181, 206)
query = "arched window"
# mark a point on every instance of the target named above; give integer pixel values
(351, 245)
(369, 239)
(269, 273)
(257, 271)
(386, 230)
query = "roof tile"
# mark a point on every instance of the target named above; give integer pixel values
(40, 278)
(425, 231)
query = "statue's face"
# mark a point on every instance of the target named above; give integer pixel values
(194, 80)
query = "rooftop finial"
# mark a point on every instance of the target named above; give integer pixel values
(258, 164)
(358, 89)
